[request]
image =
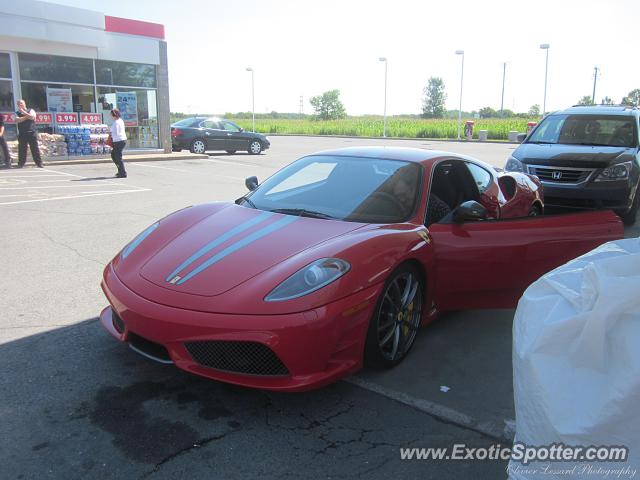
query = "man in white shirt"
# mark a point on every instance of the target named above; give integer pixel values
(119, 139)
(27, 135)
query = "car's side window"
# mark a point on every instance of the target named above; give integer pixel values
(230, 127)
(210, 124)
(481, 176)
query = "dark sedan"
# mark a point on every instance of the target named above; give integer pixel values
(199, 134)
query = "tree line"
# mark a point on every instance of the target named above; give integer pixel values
(328, 106)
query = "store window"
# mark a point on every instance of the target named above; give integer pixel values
(50, 68)
(7, 105)
(125, 74)
(6, 96)
(5, 66)
(138, 109)
(45, 97)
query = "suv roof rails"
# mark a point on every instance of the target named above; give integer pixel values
(630, 107)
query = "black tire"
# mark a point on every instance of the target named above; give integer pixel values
(176, 149)
(535, 210)
(629, 218)
(393, 327)
(255, 147)
(231, 152)
(198, 145)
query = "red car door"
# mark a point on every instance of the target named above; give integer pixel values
(489, 264)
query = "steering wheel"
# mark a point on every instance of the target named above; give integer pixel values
(389, 199)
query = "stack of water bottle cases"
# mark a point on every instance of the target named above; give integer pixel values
(85, 139)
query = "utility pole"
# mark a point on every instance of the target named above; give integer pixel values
(595, 79)
(504, 73)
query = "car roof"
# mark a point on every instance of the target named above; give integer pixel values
(621, 110)
(407, 154)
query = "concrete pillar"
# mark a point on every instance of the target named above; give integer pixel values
(162, 81)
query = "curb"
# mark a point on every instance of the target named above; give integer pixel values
(92, 161)
(499, 142)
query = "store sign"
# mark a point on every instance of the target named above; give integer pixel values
(66, 118)
(128, 105)
(59, 100)
(8, 117)
(91, 118)
(46, 118)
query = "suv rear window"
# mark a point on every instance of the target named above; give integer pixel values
(602, 130)
(188, 122)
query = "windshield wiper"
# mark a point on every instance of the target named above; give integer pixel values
(301, 212)
(246, 199)
(539, 142)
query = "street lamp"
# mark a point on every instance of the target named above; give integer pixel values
(545, 46)
(461, 53)
(253, 99)
(384, 131)
(504, 74)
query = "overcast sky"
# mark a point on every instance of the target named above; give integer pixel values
(302, 48)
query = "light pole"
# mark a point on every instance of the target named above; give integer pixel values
(253, 100)
(595, 80)
(545, 46)
(504, 73)
(384, 131)
(460, 52)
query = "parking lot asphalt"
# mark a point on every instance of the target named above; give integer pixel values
(75, 404)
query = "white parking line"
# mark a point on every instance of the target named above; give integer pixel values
(76, 196)
(490, 429)
(67, 186)
(158, 166)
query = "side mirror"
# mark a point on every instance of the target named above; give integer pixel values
(521, 136)
(469, 211)
(241, 129)
(251, 183)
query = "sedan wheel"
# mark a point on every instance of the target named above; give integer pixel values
(198, 146)
(255, 147)
(396, 320)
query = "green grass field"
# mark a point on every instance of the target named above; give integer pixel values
(498, 129)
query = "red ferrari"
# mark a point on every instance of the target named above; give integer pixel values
(334, 262)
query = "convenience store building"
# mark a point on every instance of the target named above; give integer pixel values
(73, 66)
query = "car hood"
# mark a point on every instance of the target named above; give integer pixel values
(232, 245)
(581, 156)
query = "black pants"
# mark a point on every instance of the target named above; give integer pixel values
(28, 139)
(116, 155)
(5, 153)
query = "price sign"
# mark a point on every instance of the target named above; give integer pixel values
(66, 118)
(8, 117)
(46, 118)
(91, 118)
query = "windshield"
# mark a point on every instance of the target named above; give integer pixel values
(345, 188)
(612, 130)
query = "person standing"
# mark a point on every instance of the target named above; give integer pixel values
(119, 139)
(27, 135)
(3, 144)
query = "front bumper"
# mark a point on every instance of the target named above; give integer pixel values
(317, 346)
(616, 195)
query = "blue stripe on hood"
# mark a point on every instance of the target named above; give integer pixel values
(219, 241)
(249, 239)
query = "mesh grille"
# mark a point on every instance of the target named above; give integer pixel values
(251, 358)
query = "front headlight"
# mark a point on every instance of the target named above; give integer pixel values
(615, 172)
(514, 165)
(136, 241)
(309, 279)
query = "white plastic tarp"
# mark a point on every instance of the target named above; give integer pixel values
(576, 363)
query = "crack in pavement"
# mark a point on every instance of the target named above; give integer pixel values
(197, 444)
(52, 240)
